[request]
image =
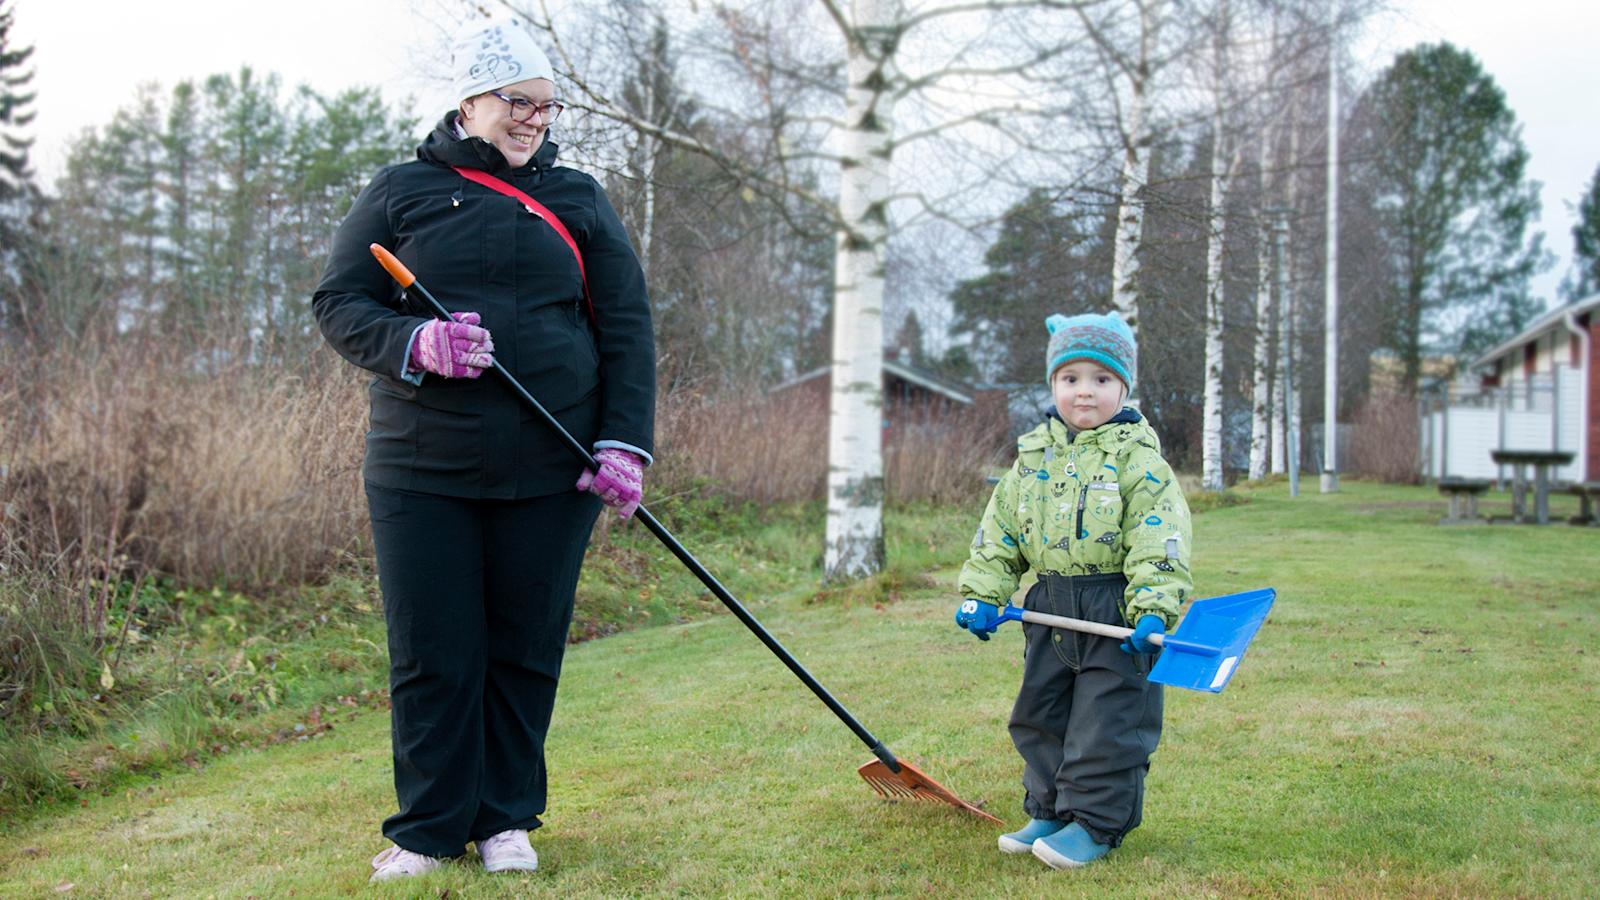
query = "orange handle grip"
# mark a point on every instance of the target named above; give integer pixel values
(393, 265)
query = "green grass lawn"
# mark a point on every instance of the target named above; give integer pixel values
(1417, 717)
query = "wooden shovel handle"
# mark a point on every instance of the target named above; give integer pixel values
(1110, 631)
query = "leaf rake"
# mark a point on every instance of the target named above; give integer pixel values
(891, 777)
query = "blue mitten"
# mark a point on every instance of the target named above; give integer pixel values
(1139, 641)
(979, 617)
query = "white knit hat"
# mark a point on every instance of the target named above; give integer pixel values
(492, 55)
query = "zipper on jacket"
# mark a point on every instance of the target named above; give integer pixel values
(1083, 500)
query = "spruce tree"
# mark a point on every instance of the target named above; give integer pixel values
(1586, 244)
(1445, 166)
(1049, 257)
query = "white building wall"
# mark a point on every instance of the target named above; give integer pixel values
(1570, 395)
(1472, 433)
(1468, 433)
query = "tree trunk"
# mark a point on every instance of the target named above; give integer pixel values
(855, 432)
(1282, 400)
(1211, 442)
(649, 147)
(1135, 173)
(1261, 377)
(648, 150)
(1211, 455)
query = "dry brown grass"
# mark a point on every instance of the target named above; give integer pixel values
(740, 444)
(209, 468)
(775, 449)
(1384, 445)
(206, 467)
(200, 466)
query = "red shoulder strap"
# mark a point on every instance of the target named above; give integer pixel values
(538, 209)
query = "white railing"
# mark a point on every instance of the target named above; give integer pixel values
(1462, 422)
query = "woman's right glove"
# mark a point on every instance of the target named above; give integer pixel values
(979, 617)
(458, 349)
(620, 481)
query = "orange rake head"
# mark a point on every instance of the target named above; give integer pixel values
(911, 784)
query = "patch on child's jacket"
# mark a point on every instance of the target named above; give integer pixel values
(977, 540)
(1172, 547)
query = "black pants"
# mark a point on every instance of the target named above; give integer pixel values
(1087, 717)
(477, 595)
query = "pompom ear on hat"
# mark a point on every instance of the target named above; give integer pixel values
(1104, 339)
(489, 55)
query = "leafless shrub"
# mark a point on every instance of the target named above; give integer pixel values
(774, 448)
(211, 466)
(741, 443)
(1384, 445)
(196, 464)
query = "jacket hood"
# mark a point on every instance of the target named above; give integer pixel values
(443, 147)
(1124, 428)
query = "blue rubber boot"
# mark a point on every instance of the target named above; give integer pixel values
(1021, 841)
(1069, 848)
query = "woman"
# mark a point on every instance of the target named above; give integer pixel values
(478, 530)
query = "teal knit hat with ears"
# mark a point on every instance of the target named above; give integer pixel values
(1105, 339)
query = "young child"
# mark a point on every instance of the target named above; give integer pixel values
(1091, 506)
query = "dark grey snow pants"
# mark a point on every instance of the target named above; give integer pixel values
(1087, 717)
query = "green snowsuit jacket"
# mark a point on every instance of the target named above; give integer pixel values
(1087, 503)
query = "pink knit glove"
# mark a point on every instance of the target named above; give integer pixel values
(620, 482)
(458, 349)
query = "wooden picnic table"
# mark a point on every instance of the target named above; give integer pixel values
(1542, 462)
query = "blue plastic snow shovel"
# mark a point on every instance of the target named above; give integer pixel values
(1205, 650)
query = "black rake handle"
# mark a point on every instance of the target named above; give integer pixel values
(409, 282)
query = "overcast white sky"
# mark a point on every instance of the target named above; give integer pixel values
(90, 55)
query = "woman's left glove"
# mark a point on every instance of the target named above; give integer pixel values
(620, 481)
(1139, 641)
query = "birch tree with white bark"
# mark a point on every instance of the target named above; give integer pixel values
(855, 410)
(1224, 160)
(1127, 37)
(1261, 359)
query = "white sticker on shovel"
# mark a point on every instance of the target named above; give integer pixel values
(1223, 671)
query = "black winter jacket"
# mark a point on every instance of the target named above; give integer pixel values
(477, 250)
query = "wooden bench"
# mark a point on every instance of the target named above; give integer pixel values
(1462, 492)
(1587, 492)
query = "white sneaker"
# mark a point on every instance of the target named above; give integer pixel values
(508, 851)
(398, 862)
